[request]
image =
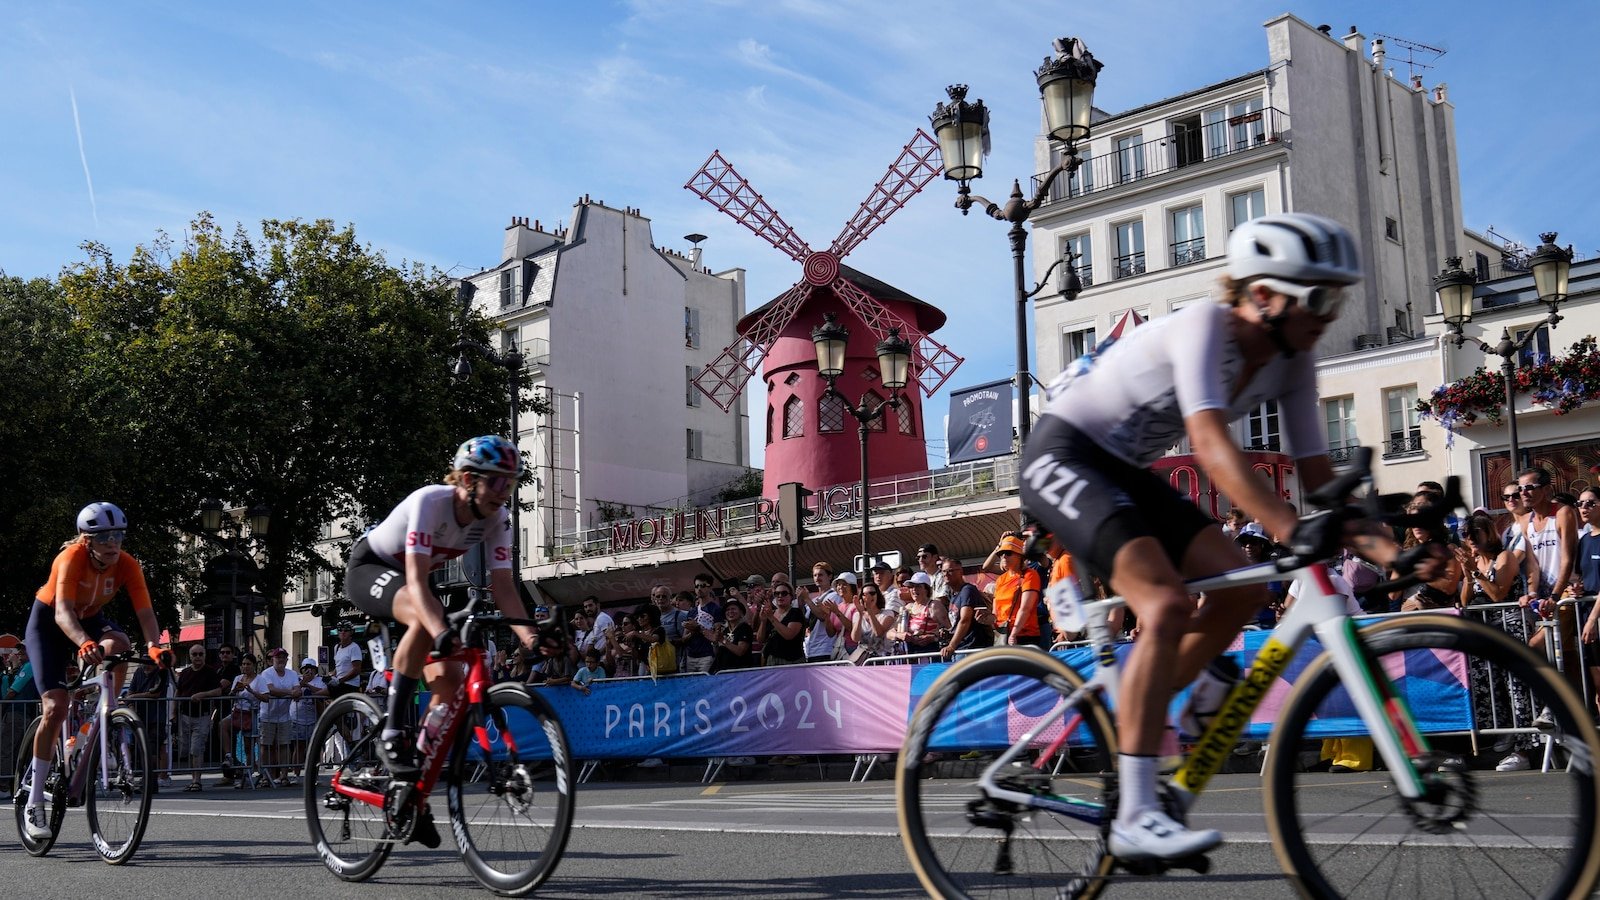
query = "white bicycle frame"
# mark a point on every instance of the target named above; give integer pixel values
(97, 732)
(1317, 609)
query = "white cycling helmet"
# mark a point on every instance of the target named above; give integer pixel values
(98, 517)
(1295, 246)
(489, 453)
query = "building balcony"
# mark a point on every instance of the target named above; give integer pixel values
(1340, 456)
(1187, 253)
(1182, 149)
(1129, 265)
(1400, 446)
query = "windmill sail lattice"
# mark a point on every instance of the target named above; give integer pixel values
(717, 182)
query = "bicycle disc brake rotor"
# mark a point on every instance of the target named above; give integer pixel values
(1449, 796)
(515, 787)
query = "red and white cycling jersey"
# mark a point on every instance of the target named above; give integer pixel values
(425, 523)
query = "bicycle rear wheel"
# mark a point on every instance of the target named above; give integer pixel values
(1477, 832)
(119, 809)
(347, 826)
(55, 794)
(954, 834)
(511, 811)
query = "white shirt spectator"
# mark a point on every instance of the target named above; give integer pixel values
(596, 638)
(1341, 586)
(275, 709)
(304, 711)
(345, 659)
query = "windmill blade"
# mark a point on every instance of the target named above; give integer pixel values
(917, 164)
(931, 362)
(718, 184)
(724, 378)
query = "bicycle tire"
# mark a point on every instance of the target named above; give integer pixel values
(509, 841)
(119, 813)
(1557, 850)
(55, 795)
(944, 817)
(349, 834)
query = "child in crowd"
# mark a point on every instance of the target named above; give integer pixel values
(588, 672)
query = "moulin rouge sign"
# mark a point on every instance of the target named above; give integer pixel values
(687, 526)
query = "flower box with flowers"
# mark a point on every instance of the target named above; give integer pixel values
(1562, 383)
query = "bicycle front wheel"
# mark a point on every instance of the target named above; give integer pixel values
(119, 804)
(511, 808)
(344, 789)
(55, 793)
(962, 841)
(1476, 832)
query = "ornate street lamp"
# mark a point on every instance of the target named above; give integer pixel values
(1551, 266)
(1066, 89)
(894, 367)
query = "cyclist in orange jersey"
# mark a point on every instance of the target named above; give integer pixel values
(66, 620)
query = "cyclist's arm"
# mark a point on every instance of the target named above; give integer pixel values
(139, 595)
(1221, 458)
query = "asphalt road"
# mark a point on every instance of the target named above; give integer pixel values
(795, 839)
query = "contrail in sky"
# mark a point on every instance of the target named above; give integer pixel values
(93, 206)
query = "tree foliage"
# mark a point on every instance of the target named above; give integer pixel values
(298, 369)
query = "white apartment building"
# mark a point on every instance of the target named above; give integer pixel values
(613, 328)
(1323, 128)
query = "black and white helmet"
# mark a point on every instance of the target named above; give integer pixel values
(1295, 246)
(98, 517)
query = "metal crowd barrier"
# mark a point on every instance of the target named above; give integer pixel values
(14, 718)
(224, 749)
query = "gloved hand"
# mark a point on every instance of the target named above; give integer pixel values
(1318, 535)
(445, 645)
(162, 656)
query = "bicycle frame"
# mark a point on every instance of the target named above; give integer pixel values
(1317, 610)
(79, 775)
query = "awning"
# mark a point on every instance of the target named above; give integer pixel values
(1129, 321)
(195, 632)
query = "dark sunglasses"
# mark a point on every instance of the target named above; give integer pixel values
(1585, 504)
(782, 594)
(1514, 495)
(1529, 488)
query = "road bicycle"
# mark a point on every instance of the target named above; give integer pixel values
(1034, 820)
(102, 763)
(501, 754)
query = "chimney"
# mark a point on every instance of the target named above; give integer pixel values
(1378, 53)
(1354, 39)
(1441, 93)
(1416, 82)
(1326, 29)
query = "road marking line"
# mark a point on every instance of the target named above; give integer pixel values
(711, 790)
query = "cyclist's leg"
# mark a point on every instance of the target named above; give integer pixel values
(1225, 612)
(50, 650)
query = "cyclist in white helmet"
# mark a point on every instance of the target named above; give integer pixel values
(387, 576)
(1086, 477)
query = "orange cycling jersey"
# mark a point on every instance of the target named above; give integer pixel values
(74, 577)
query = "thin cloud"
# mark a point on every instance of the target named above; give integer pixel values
(88, 179)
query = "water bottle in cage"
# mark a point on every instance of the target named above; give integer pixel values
(428, 736)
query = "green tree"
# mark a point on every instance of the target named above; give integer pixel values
(300, 370)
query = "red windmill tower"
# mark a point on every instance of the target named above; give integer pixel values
(810, 437)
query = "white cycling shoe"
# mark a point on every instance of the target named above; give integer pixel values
(36, 821)
(1155, 835)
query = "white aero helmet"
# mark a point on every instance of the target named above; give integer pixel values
(1297, 247)
(98, 517)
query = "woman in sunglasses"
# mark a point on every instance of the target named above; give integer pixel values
(66, 621)
(387, 576)
(1086, 475)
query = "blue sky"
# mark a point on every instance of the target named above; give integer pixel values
(428, 125)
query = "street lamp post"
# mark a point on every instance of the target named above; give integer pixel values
(1066, 88)
(1551, 267)
(258, 519)
(894, 362)
(512, 362)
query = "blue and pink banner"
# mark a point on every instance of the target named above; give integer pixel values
(846, 709)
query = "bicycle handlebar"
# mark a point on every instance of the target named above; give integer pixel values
(90, 672)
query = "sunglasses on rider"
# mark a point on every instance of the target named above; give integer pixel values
(1319, 299)
(494, 483)
(108, 537)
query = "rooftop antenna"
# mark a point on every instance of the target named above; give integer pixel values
(1412, 48)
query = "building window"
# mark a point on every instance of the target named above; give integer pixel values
(1391, 229)
(691, 393)
(507, 288)
(1480, 264)
(1340, 415)
(1234, 126)
(1538, 349)
(1130, 249)
(903, 411)
(769, 423)
(1188, 144)
(1400, 412)
(1130, 157)
(1083, 262)
(1075, 344)
(1080, 182)
(794, 417)
(1188, 235)
(871, 400)
(692, 443)
(691, 327)
(830, 414)
(1246, 205)
(1262, 425)
(301, 644)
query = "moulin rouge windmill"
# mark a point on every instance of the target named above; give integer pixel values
(806, 431)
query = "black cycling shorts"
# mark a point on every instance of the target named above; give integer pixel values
(1094, 502)
(50, 649)
(370, 582)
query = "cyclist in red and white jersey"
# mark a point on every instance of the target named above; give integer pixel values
(387, 576)
(66, 620)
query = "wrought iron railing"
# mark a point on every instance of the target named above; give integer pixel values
(1227, 137)
(1187, 253)
(1402, 445)
(1129, 265)
(1268, 445)
(1340, 456)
